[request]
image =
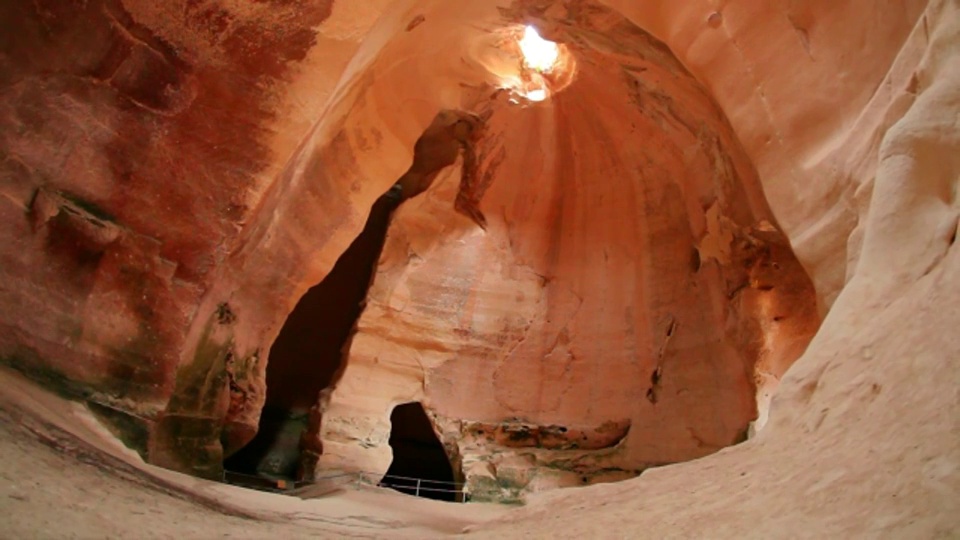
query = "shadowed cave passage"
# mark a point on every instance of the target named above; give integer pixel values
(308, 351)
(418, 454)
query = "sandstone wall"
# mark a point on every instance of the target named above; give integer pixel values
(177, 176)
(863, 439)
(630, 287)
(138, 140)
(803, 84)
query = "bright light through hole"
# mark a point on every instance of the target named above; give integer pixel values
(536, 95)
(538, 53)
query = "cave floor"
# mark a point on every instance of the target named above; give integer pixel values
(62, 476)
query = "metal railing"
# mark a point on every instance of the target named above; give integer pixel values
(417, 485)
(406, 484)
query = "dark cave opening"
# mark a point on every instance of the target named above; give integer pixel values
(308, 352)
(420, 464)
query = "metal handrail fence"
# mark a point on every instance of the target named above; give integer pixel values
(358, 478)
(418, 485)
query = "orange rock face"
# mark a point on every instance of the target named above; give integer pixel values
(629, 300)
(631, 281)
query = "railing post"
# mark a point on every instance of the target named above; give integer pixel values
(418, 487)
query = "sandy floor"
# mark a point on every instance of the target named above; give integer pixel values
(61, 476)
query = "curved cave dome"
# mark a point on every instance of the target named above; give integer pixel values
(505, 247)
(597, 286)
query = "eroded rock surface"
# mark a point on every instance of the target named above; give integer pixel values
(174, 185)
(137, 141)
(630, 274)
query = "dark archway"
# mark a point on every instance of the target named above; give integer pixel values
(418, 455)
(308, 352)
(309, 349)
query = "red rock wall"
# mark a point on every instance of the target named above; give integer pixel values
(137, 141)
(159, 231)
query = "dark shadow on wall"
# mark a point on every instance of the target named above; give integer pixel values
(308, 351)
(420, 464)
